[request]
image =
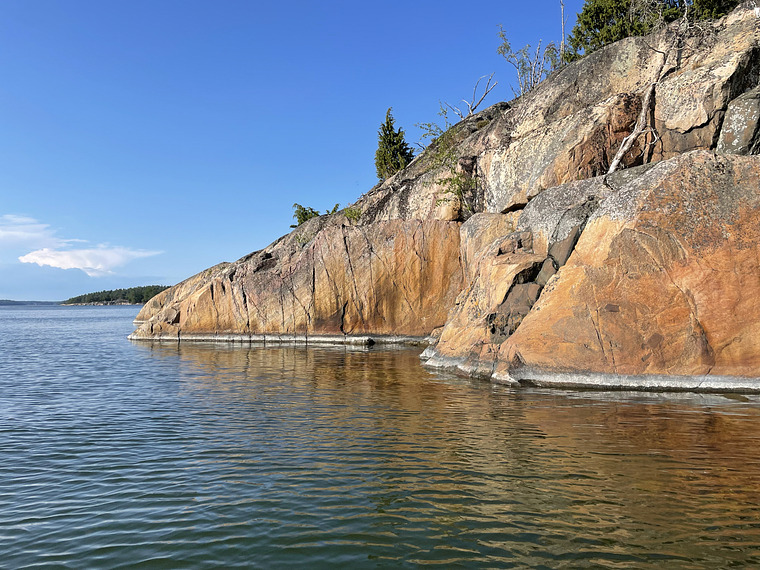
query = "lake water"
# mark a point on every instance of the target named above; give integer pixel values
(116, 454)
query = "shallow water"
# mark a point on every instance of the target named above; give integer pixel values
(117, 454)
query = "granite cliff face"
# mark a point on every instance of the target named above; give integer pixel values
(649, 273)
(548, 270)
(326, 278)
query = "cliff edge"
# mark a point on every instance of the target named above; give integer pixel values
(546, 269)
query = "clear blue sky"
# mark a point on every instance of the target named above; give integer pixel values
(143, 141)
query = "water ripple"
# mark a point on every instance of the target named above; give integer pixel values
(120, 455)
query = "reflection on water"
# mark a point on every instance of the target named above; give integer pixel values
(203, 455)
(595, 476)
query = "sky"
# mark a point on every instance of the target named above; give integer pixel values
(142, 141)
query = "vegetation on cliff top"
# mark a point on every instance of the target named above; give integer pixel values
(393, 153)
(602, 22)
(132, 295)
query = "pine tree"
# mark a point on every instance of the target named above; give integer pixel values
(711, 9)
(392, 153)
(602, 22)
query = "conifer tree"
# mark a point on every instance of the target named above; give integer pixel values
(392, 153)
(602, 22)
(711, 9)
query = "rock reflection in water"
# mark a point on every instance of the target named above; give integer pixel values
(366, 447)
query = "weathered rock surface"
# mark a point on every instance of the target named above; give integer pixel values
(545, 269)
(664, 279)
(179, 291)
(570, 127)
(393, 278)
(741, 127)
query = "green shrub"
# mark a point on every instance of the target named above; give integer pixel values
(443, 147)
(353, 213)
(303, 214)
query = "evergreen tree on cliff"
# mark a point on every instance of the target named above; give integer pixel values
(602, 22)
(392, 153)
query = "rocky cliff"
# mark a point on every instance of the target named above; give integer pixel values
(546, 269)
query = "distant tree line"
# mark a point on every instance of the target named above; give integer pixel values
(133, 295)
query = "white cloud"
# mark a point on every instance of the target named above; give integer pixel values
(25, 233)
(18, 231)
(95, 262)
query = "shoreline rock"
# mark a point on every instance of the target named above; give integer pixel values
(549, 271)
(290, 339)
(663, 277)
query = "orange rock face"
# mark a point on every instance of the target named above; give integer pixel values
(391, 278)
(667, 284)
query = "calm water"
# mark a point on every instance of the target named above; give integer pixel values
(114, 454)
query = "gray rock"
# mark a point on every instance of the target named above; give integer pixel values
(741, 127)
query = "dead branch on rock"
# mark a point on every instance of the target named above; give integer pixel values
(640, 126)
(472, 105)
(638, 129)
(562, 43)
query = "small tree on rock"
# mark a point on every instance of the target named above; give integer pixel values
(303, 214)
(392, 153)
(531, 67)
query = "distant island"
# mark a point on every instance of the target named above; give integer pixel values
(131, 296)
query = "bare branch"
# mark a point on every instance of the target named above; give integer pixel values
(472, 105)
(456, 110)
(641, 123)
(487, 90)
(562, 43)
